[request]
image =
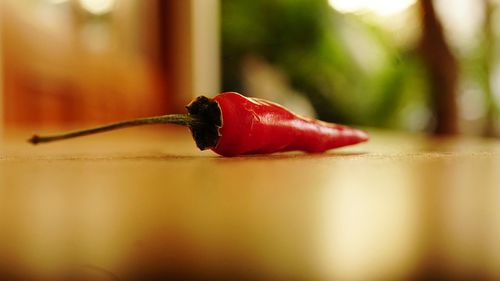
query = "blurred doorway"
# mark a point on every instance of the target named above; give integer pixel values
(85, 61)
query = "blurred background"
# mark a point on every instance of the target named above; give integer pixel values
(414, 65)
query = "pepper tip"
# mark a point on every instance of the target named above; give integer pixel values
(363, 136)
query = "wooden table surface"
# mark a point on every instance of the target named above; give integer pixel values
(142, 205)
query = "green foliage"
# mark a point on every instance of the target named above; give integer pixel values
(307, 40)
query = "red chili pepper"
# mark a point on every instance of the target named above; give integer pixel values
(231, 124)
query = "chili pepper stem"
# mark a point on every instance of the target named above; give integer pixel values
(178, 119)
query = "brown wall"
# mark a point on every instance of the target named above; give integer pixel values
(82, 70)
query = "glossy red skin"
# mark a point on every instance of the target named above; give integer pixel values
(256, 126)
